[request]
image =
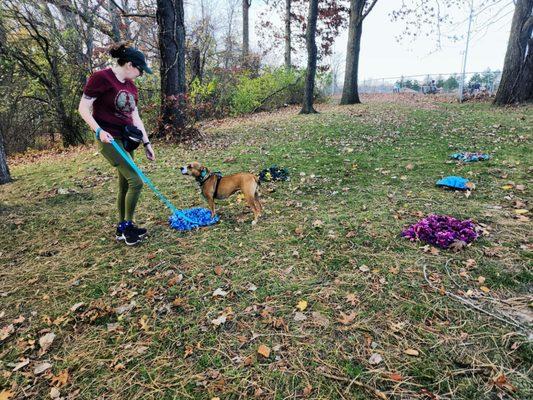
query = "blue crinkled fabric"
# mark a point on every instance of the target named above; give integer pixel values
(200, 216)
(454, 182)
(470, 157)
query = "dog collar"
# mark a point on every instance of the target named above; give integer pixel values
(203, 177)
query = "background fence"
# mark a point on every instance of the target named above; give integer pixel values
(485, 82)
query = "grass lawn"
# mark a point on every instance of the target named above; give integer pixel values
(322, 299)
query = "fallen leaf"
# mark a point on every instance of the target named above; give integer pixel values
(470, 263)
(219, 321)
(264, 351)
(317, 223)
(76, 306)
(307, 390)
(320, 319)
(485, 289)
(143, 323)
(188, 351)
(521, 211)
(40, 368)
(46, 341)
(520, 187)
(179, 302)
(364, 268)
(502, 382)
(21, 364)
(119, 367)
(457, 245)
(411, 352)
(19, 320)
(409, 166)
(6, 394)
(507, 187)
(61, 379)
(352, 299)
(346, 319)
(219, 270)
(174, 280)
(396, 377)
(219, 293)
(375, 359)
(302, 305)
(251, 287)
(54, 393)
(299, 317)
(481, 280)
(6, 331)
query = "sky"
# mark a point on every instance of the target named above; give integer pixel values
(382, 56)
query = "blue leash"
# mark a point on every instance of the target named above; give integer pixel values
(150, 184)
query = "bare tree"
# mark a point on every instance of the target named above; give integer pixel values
(245, 31)
(41, 41)
(288, 34)
(5, 176)
(359, 9)
(170, 18)
(516, 84)
(307, 107)
(229, 39)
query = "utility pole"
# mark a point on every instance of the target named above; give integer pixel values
(462, 84)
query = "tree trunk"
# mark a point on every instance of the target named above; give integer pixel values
(288, 34)
(172, 69)
(196, 64)
(350, 91)
(5, 177)
(516, 84)
(310, 39)
(115, 20)
(245, 31)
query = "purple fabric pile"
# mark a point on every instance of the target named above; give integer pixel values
(441, 231)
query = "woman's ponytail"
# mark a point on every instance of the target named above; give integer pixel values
(118, 50)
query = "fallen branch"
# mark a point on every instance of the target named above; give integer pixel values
(274, 93)
(524, 330)
(379, 394)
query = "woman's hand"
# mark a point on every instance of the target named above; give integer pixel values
(105, 137)
(149, 152)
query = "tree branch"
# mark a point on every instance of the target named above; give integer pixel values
(127, 14)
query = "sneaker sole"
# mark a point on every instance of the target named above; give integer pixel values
(120, 238)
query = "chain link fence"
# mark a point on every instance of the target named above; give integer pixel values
(476, 84)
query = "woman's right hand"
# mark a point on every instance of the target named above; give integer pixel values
(105, 137)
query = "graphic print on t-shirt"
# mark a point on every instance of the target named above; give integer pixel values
(124, 102)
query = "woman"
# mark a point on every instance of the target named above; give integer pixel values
(108, 105)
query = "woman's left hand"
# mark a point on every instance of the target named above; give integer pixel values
(149, 152)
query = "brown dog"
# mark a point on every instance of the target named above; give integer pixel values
(215, 186)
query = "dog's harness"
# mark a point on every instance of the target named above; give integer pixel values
(204, 176)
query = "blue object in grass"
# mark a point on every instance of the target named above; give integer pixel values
(180, 219)
(454, 182)
(470, 157)
(185, 220)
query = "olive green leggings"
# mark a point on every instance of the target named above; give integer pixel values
(129, 182)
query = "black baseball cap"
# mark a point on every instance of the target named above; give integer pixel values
(137, 58)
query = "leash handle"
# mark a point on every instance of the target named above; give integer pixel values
(146, 180)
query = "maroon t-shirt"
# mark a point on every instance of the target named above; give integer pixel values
(115, 100)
